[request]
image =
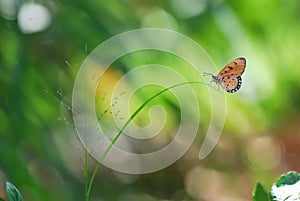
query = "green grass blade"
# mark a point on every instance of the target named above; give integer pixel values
(125, 125)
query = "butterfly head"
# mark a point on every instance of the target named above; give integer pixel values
(216, 79)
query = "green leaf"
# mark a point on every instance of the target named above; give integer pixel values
(288, 179)
(287, 188)
(260, 194)
(13, 193)
(1, 199)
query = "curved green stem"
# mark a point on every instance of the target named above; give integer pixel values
(123, 127)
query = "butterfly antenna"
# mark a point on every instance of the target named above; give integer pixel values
(205, 74)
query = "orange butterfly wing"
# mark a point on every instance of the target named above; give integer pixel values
(234, 68)
(231, 84)
(230, 76)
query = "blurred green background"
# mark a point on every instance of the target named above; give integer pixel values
(43, 44)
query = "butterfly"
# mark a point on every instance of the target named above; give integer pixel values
(230, 76)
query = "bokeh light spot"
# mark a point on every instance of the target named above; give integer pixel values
(188, 8)
(33, 17)
(264, 153)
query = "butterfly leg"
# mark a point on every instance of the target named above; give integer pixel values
(209, 83)
(214, 87)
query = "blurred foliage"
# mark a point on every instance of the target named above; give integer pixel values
(38, 148)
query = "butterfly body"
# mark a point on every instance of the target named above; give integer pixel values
(230, 76)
